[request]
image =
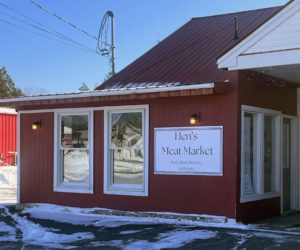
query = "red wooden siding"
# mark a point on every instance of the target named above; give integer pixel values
(215, 195)
(185, 194)
(8, 137)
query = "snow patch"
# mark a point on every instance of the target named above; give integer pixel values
(172, 240)
(131, 231)
(35, 234)
(79, 216)
(8, 177)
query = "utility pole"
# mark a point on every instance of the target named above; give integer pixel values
(103, 47)
(111, 15)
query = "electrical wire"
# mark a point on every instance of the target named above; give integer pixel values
(19, 13)
(63, 20)
(40, 34)
(103, 47)
(55, 33)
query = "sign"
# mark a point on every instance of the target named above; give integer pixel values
(189, 150)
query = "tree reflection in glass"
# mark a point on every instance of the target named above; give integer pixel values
(127, 148)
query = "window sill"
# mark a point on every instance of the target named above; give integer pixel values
(258, 197)
(79, 190)
(125, 192)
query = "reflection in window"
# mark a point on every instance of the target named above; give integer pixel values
(127, 130)
(74, 150)
(76, 165)
(128, 166)
(250, 130)
(127, 157)
(269, 154)
(74, 131)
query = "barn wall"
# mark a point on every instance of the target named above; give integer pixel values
(215, 195)
(8, 138)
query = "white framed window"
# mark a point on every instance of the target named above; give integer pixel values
(126, 151)
(260, 153)
(73, 152)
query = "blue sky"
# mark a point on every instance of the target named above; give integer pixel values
(35, 62)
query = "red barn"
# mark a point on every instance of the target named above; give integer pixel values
(205, 122)
(8, 136)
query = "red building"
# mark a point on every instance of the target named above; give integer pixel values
(205, 122)
(8, 136)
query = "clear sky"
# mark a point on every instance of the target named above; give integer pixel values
(35, 62)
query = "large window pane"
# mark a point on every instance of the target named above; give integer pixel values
(128, 166)
(126, 130)
(74, 131)
(269, 153)
(250, 153)
(75, 165)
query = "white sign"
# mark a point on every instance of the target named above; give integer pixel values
(189, 150)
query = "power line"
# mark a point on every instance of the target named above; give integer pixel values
(63, 20)
(19, 13)
(55, 33)
(40, 34)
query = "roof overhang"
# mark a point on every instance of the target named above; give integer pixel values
(274, 44)
(117, 94)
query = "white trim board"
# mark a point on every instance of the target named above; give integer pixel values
(293, 163)
(112, 92)
(236, 58)
(18, 158)
(70, 110)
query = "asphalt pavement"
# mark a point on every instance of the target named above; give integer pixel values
(21, 231)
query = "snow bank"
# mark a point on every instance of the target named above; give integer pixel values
(8, 177)
(89, 216)
(8, 184)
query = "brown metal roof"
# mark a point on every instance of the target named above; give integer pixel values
(189, 55)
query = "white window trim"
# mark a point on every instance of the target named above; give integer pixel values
(293, 163)
(261, 112)
(73, 187)
(125, 189)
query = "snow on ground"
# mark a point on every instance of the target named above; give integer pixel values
(8, 177)
(8, 184)
(175, 233)
(172, 239)
(87, 216)
(35, 234)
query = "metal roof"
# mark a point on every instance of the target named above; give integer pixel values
(189, 55)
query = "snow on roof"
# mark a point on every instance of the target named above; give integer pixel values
(8, 111)
(111, 92)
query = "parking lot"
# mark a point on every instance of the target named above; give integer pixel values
(55, 227)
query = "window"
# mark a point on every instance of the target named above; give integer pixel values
(126, 170)
(260, 153)
(73, 169)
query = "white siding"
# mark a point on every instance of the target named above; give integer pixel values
(284, 36)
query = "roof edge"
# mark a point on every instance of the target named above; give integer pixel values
(240, 12)
(110, 92)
